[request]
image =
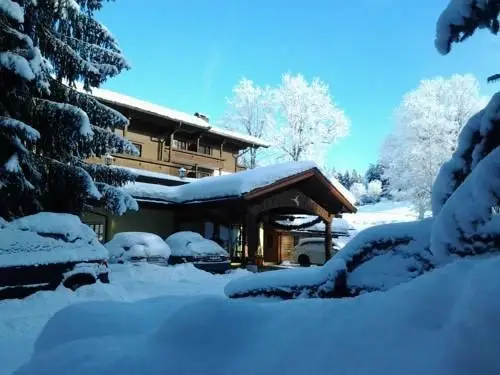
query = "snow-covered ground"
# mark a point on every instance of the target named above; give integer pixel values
(442, 323)
(21, 321)
(384, 212)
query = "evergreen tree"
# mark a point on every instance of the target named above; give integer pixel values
(375, 172)
(346, 180)
(48, 129)
(356, 177)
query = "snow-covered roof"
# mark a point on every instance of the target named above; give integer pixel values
(157, 175)
(172, 114)
(339, 226)
(221, 187)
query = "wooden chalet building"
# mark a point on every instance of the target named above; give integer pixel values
(189, 179)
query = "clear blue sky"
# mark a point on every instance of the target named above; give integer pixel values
(188, 54)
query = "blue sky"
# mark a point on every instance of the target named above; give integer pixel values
(188, 54)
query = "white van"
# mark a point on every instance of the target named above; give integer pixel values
(311, 250)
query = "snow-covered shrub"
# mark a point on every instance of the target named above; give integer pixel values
(373, 192)
(358, 189)
(468, 223)
(378, 258)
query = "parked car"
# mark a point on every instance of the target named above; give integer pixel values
(191, 247)
(138, 247)
(43, 251)
(311, 250)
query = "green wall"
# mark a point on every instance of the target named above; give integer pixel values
(158, 221)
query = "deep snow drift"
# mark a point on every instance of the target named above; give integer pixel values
(21, 321)
(442, 323)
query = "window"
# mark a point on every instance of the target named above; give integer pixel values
(180, 145)
(204, 149)
(138, 146)
(99, 231)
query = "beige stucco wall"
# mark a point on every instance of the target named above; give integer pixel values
(158, 221)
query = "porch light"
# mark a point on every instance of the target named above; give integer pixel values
(182, 172)
(108, 159)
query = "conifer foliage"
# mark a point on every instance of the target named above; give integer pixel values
(48, 127)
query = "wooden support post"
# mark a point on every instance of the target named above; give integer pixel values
(328, 239)
(252, 237)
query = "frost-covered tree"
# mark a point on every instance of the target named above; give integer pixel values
(308, 121)
(359, 191)
(427, 124)
(250, 112)
(48, 129)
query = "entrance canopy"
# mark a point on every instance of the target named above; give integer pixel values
(252, 185)
(254, 196)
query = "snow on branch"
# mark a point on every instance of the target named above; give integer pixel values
(467, 224)
(103, 142)
(116, 200)
(461, 18)
(99, 114)
(12, 10)
(63, 113)
(477, 139)
(18, 128)
(109, 175)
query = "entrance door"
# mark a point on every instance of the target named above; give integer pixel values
(271, 246)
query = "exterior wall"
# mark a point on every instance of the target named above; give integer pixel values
(153, 135)
(158, 221)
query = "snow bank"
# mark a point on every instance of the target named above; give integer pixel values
(443, 323)
(47, 238)
(217, 187)
(377, 259)
(21, 321)
(127, 245)
(384, 212)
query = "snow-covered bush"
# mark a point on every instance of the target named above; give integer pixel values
(373, 192)
(358, 189)
(378, 258)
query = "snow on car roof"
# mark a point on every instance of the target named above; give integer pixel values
(137, 244)
(48, 238)
(220, 187)
(172, 114)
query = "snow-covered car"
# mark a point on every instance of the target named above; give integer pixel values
(311, 250)
(138, 247)
(42, 251)
(191, 247)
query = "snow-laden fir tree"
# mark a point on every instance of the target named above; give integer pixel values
(48, 129)
(427, 124)
(460, 20)
(250, 112)
(480, 136)
(308, 121)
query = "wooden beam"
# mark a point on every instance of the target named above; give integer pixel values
(328, 239)
(172, 141)
(252, 235)
(279, 184)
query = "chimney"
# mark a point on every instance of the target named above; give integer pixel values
(202, 116)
